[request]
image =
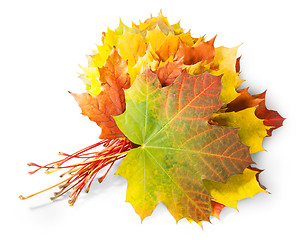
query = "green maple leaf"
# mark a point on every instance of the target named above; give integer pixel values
(178, 148)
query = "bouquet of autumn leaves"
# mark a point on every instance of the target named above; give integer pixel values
(169, 105)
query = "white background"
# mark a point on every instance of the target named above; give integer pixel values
(41, 45)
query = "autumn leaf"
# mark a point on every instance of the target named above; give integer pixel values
(177, 28)
(142, 62)
(161, 21)
(251, 129)
(216, 209)
(238, 64)
(124, 28)
(168, 47)
(164, 46)
(271, 118)
(238, 187)
(204, 51)
(109, 40)
(186, 38)
(91, 79)
(230, 82)
(111, 100)
(155, 38)
(169, 72)
(223, 63)
(245, 100)
(177, 147)
(131, 46)
(226, 58)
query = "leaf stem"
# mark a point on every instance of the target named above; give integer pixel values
(83, 173)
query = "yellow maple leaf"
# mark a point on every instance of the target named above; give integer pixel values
(122, 28)
(198, 68)
(168, 48)
(238, 187)
(131, 46)
(230, 82)
(91, 79)
(186, 38)
(225, 61)
(177, 28)
(160, 21)
(155, 38)
(102, 54)
(109, 39)
(226, 58)
(147, 59)
(251, 129)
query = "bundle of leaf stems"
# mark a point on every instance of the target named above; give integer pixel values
(82, 174)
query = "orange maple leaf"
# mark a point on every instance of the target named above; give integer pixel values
(169, 72)
(111, 100)
(203, 51)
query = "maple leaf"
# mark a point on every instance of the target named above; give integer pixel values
(142, 62)
(166, 45)
(238, 187)
(159, 21)
(177, 28)
(111, 100)
(271, 118)
(131, 46)
(225, 58)
(216, 208)
(230, 82)
(169, 72)
(223, 63)
(238, 64)
(155, 38)
(124, 28)
(251, 129)
(203, 51)
(177, 147)
(91, 79)
(245, 100)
